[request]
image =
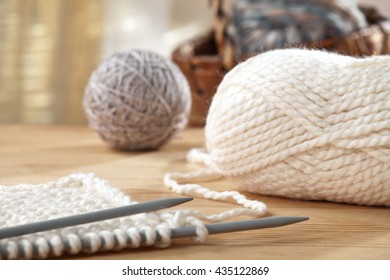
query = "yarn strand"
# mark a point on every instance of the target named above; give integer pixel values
(179, 183)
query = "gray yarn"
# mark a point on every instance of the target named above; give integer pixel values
(137, 100)
(260, 25)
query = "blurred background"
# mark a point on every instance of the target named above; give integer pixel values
(48, 48)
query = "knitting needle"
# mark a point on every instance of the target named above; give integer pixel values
(91, 217)
(238, 226)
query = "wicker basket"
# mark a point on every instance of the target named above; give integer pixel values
(204, 67)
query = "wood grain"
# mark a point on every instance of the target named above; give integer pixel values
(36, 154)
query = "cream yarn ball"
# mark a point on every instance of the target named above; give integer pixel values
(305, 124)
(137, 100)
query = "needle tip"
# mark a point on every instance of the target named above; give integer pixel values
(177, 201)
(290, 220)
(301, 219)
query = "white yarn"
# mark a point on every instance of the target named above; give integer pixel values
(303, 124)
(81, 193)
(179, 183)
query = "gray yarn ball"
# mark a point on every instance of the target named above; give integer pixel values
(137, 100)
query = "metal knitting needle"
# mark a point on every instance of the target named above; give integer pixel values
(91, 217)
(238, 226)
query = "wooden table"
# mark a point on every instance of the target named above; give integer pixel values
(36, 154)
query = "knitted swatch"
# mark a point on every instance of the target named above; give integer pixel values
(82, 193)
(76, 194)
(300, 124)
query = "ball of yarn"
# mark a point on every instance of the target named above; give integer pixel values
(258, 26)
(306, 125)
(137, 100)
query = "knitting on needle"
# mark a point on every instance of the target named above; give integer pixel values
(142, 208)
(91, 217)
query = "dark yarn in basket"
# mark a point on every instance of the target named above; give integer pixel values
(261, 25)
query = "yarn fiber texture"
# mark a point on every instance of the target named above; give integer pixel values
(261, 25)
(137, 100)
(304, 124)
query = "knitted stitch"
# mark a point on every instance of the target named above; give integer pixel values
(302, 124)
